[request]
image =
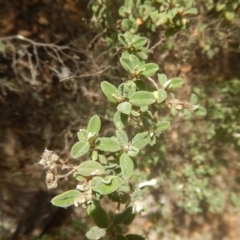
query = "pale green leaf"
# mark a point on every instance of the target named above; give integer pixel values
(95, 233)
(176, 83)
(132, 151)
(162, 78)
(193, 99)
(150, 69)
(201, 111)
(139, 42)
(126, 165)
(90, 168)
(141, 140)
(124, 107)
(120, 120)
(105, 185)
(66, 199)
(161, 95)
(107, 144)
(163, 125)
(79, 149)
(142, 98)
(94, 124)
(122, 137)
(109, 89)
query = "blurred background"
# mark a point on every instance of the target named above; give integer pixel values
(53, 57)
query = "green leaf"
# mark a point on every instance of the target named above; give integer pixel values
(141, 140)
(142, 98)
(94, 124)
(201, 111)
(143, 54)
(120, 120)
(139, 42)
(109, 89)
(66, 199)
(161, 95)
(127, 64)
(132, 151)
(134, 237)
(163, 125)
(123, 216)
(95, 233)
(98, 214)
(135, 113)
(129, 219)
(93, 155)
(90, 168)
(126, 165)
(103, 159)
(126, 24)
(122, 40)
(150, 69)
(186, 113)
(126, 89)
(193, 99)
(162, 78)
(105, 185)
(161, 19)
(124, 107)
(107, 144)
(176, 83)
(82, 135)
(79, 149)
(122, 138)
(128, 35)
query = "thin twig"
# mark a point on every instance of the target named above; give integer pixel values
(87, 75)
(67, 174)
(158, 43)
(153, 82)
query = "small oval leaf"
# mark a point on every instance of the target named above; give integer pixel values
(162, 79)
(163, 125)
(107, 144)
(120, 120)
(201, 111)
(161, 95)
(95, 233)
(123, 216)
(109, 89)
(79, 149)
(66, 199)
(94, 125)
(122, 137)
(141, 140)
(127, 64)
(142, 98)
(176, 83)
(150, 69)
(90, 168)
(124, 107)
(139, 42)
(105, 185)
(132, 151)
(193, 99)
(97, 213)
(126, 165)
